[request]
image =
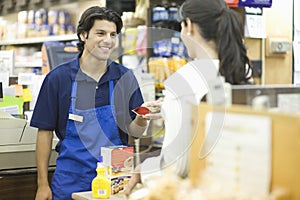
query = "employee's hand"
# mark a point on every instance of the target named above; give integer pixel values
(43, 193)
(134, 180)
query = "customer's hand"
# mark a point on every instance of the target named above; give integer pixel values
(155, 107)
(134, 180)
(43, 193)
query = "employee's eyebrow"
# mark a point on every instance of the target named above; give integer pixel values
(98, 30)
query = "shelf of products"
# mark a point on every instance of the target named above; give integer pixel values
(166, 52)
(26, 36)
(27, 58)
(27, 52)
(36, 40)
(13, 6)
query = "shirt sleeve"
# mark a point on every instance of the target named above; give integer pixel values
(46, 108)
(175, 149)
(127, 96)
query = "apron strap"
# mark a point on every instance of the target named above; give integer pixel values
(111, 92)
(73, 96)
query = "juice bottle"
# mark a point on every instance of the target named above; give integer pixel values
(101, 184)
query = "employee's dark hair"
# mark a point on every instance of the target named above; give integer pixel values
(88, 17)
(218, 23)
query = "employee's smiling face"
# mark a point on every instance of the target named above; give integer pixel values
(101, 39)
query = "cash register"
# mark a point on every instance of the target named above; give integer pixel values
(17, 143)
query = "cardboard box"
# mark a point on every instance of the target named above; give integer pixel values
(120, 162)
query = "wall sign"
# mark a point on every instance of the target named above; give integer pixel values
(249, 3)
(255, 3)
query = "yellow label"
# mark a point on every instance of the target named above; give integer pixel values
(27, 95)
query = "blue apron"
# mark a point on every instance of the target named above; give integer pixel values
(86, 132)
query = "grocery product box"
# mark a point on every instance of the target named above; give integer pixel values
(120, 163)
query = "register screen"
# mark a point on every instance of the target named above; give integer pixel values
(1, 92)
(60, 54)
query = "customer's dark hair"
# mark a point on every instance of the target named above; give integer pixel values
(88, 17)
(218, 23)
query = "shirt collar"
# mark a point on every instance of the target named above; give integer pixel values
(112, 72)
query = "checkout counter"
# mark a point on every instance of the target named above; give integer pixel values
(271, 160)
(246, 94)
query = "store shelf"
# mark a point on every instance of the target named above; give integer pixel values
(14, 6)
(39, 39)
(29, 64)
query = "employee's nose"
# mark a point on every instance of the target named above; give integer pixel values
(108, 38)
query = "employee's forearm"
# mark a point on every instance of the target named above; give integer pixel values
(137, 127)
(43, 151)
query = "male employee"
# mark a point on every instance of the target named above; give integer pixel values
(87, 101)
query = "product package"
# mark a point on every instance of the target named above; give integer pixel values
(119, 161)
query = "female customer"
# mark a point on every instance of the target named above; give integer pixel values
(212, 34)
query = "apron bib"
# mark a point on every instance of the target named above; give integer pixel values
(86, 132)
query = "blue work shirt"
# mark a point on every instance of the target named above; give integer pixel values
(52, 106)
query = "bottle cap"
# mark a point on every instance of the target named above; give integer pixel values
(100, 159)
(100, 165)
(100, 162)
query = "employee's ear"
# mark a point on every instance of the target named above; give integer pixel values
(83, 36)
(190, 26)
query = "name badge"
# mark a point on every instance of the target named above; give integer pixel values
(77, 118)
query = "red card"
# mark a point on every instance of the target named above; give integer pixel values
(142, 110)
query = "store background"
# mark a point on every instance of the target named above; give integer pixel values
(281, 21)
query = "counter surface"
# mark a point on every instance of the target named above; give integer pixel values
(88, 196)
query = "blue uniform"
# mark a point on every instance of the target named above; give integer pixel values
(85, 116)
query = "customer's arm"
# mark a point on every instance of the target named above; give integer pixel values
(147, 170)
(138, 126)
(43, 151)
